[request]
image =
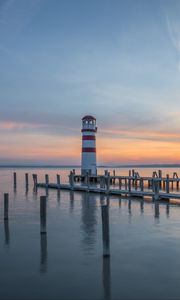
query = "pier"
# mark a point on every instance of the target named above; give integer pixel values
(156, 186)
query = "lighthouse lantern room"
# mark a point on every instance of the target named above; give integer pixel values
(89, 129)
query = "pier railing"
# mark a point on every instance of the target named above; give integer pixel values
(134, 185)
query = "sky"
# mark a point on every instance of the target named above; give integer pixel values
(118, 60)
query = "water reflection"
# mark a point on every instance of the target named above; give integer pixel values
(129, 207)
(71, 201)
(59, 197)
(6, 233)
(167, 210)
(89, 220)
(44, 254)
(156, 210)
(106, 276)
(142, 206)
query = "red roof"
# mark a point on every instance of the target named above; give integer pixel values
(88, 118)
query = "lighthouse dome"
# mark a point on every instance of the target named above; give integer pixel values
(88, 117)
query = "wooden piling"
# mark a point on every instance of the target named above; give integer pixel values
(141, 184)
(167, 183)
(114, 174)
(47, 180)
(6, 205)
(156, 189)
(26, 181)
(160, 177)
(15, 181)
(34, 179)
(133, 174)
(107, 183)
(120, 183)
(129, 184)
(135, 183)
(71, 180)
(105, 230)
(125, 183)
(43, 214)
(58, 180)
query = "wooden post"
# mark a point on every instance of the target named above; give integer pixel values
(6, 205)
(106, 278)
(177, 184)
(164, 184)
(114, 174)
(107, 183)
(120, 183)
(6, 233)
(34, 179)
(129, 173)
(125, 182)
(136, 182)
(47, 180)
(105, 230)
(167, 183)
(15, 181)
(58, 181)
(26, 180)
(43, 214)
(141, 184)
(101, 182)
(129, 184)
(71, 180)
(160, 177)
(156, 189)
(133, 174)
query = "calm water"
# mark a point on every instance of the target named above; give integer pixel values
(68, 262)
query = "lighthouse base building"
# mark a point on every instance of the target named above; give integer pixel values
(88, 160)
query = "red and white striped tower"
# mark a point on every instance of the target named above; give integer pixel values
(89, 129)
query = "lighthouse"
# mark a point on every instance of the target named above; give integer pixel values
(88, 162)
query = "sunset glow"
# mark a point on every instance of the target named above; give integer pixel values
(116, 60)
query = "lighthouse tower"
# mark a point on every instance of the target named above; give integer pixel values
(89, 129)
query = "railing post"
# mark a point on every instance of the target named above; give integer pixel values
(141, 184)
(160, 177)
(129, 184)
(167, 183)
(107, 183)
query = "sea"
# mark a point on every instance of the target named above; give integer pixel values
(67, 262)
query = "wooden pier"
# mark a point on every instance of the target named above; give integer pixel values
(133, 185)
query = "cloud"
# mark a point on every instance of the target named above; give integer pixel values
(174, 32)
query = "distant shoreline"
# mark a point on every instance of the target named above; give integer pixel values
(100, 166)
